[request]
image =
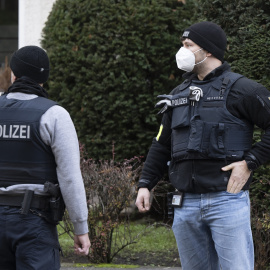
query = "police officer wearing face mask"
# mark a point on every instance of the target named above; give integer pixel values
(39, 169)
(206, 138)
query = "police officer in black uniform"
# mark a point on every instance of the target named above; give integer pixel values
(39, 169)
(206, 138)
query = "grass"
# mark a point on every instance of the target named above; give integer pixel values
(65, 241)
(154, 240)
(155, 247)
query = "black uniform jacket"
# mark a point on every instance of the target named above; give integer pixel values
(247, 100)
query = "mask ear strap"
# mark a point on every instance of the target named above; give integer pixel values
(198, 50)
(201, 61)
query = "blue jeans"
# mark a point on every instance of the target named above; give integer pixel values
(27, 242)
(213, 231)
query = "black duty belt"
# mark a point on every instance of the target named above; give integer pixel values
(37, 201)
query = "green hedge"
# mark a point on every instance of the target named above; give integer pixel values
(110, 59)
(247, 25)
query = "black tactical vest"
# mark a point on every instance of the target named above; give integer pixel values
(202, 127)
(24, 157)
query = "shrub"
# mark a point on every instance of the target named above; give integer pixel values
(110, 189)
(110, 59)
(247, 25)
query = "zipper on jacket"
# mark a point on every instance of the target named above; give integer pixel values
(193, 172)
(192, 113)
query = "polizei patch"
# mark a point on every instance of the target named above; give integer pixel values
(179, 102)
(15, 131)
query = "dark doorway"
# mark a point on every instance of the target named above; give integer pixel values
(8, 29)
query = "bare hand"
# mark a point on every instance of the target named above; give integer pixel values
(239, 176)
(81, 244)
(143, 200)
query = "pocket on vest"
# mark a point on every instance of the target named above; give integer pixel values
(180, 142)
(216, 146)
(180, 117)
(196, 135)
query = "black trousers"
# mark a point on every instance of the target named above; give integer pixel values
(27, 241)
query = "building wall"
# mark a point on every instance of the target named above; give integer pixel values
(32, 17)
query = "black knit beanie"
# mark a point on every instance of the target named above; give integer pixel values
(209, 36)
(31, 62)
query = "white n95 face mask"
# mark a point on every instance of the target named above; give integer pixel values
(185, 59)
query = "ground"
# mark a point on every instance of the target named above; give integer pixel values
(151, 259)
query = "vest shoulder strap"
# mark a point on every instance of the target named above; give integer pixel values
(228, 80)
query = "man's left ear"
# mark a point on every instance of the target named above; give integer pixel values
(208, 54)
(13, 78)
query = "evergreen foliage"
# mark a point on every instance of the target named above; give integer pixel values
(110, 59)
(247, 25)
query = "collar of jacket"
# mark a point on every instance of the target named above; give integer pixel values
(214, 73)
(27, 86)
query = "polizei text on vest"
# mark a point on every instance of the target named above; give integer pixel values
(15, 131)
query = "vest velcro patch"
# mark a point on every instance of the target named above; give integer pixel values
(15, 131)
(215, 98)
(171, 102)
(179, 101)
